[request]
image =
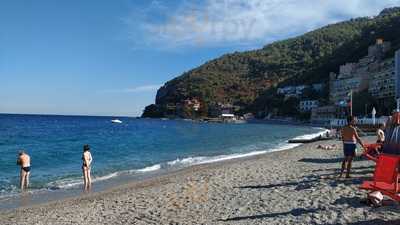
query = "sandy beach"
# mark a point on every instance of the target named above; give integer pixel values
(298, 186)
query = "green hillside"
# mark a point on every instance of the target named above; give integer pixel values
(249, 79)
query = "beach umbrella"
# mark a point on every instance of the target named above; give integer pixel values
(373, 115)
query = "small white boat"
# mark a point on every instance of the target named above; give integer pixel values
(116, 121)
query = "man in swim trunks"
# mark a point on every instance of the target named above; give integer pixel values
(25, 162)
(350, 138)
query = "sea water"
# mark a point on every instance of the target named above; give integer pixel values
(136, 146)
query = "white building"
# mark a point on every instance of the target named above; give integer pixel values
(340, 88)
(347, 69)
(300, 89)
(382, 81)
(226, 117)
(355, 77)
(292, 91)
(286, 90)
(308, 105)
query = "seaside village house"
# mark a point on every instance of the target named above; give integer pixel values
(297, 91)
(324, 114)
(308, 105)
(305, 105)
(192, 104)
(371, 73)
(227, 112)
(180, 108)
(223, 111)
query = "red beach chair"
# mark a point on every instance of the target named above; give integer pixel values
(372, 151)
(387, 168)
(386, 177)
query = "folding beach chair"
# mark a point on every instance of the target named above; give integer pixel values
(386, 177)
(387, 168)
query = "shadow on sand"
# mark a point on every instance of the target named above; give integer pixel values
(294, 212)
(377, 222)
(354, 202)
(300, 183)
(365, 173)
(338, 169)
(322, 161)
(330, 160)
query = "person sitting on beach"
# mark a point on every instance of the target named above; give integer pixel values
(24, 160)
(86, 166)
(327, 147)
(381, 134)
(350, 138)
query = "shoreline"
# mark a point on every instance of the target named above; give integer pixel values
(108, 181)
(298, 186)
(44, 196)
(145, 180)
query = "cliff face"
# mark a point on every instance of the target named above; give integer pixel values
(248, 80)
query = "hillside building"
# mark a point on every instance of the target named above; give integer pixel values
(286, 90)
(308, 105)
(378, 50)
(356, 77)
(300, 89)
(219, 108)
(382, 80)
(297, 91)
(318, 87)
(324, 114)
(192, 104)
(341, 86)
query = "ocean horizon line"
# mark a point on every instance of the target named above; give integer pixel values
(54, 114)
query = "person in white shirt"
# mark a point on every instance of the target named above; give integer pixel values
(381, 134)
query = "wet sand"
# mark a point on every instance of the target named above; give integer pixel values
(298, 186)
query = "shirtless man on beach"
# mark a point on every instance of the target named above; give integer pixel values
(24, 160)
(350, 138)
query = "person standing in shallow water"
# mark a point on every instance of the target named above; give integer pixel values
(86, 166)
(350, 138)
(24, 160)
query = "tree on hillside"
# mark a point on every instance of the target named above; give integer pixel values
(248, 78)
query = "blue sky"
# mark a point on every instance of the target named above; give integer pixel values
(105, 57)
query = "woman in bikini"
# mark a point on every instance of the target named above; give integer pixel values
(86, 165)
